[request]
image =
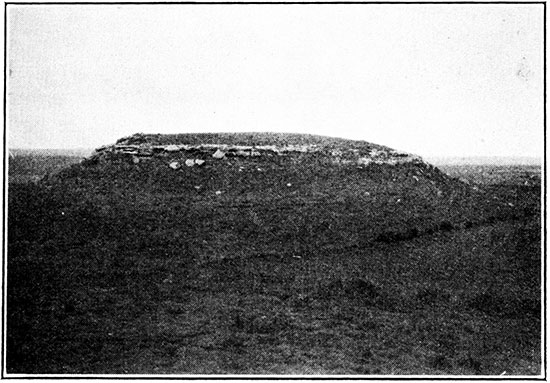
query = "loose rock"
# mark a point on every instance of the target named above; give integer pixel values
(172, 148)
(175, 165)
(218, 154)
(242, 153)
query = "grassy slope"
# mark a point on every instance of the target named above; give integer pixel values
(318, 277)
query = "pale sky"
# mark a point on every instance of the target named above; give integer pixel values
(434, 80)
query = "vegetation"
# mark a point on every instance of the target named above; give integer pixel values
(294, 268)
(31, 166)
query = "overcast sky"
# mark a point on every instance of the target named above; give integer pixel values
(435, 80)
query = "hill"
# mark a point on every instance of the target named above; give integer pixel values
(389, 194)
(270, 254)
(287, 182)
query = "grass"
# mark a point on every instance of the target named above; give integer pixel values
(31, 167)
(134, 270)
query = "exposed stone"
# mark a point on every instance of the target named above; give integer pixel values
(364, 161)
(145, 153)
(377, 153)
(199, 162)
(271, 148)
(189, 162)
(172, 148)
(175, 165)
(242, 153)
(138, 146)
(218, 154)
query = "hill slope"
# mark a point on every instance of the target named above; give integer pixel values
(294, 189)
(270, 254)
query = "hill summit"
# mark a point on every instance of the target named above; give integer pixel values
(221, 145)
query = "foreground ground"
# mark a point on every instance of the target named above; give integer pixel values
(311, 278)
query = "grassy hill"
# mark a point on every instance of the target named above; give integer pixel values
(272, 264)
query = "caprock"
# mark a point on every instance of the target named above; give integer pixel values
(212, 147)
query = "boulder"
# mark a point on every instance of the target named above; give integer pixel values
(175, 165)
(172, 148)
(218, 154)
(199, 162)
(189, 162)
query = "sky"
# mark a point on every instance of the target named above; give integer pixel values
(434, 80)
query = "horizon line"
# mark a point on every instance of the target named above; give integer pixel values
(453, 156)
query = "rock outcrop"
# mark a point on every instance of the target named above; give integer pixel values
(143, 146)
